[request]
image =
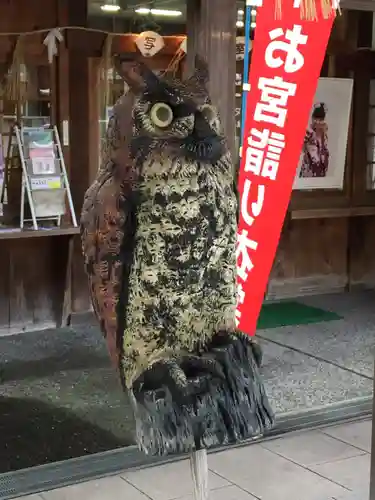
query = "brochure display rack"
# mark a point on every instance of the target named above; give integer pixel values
(45, 185)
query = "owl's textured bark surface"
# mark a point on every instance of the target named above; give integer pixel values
(105, 223)
(159, 230)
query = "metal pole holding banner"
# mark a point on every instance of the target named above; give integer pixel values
(246, 64)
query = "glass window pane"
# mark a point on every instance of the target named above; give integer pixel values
(371, 176)
(371, 149)
(371, 121)
(372, 93)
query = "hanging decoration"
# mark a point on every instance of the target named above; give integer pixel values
(149, 43)
(50, 41)
(183, 45)
(174, 65)
(288, 52)
(15, 87)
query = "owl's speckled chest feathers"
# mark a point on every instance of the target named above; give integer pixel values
(182, 280)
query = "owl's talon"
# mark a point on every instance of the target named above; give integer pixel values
(221, 399)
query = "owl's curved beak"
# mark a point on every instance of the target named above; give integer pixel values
(204, 144)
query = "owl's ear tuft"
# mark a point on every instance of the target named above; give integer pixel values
(201, 73)
(134, 72)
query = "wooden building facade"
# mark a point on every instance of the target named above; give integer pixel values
(328, 235)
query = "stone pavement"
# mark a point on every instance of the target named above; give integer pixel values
(332, 463)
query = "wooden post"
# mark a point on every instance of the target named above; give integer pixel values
(199, 473)
(211, 32)
(77, 114)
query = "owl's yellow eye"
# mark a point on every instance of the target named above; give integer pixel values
(161, 115)
(208, 112)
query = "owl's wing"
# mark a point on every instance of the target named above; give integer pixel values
(106, 223)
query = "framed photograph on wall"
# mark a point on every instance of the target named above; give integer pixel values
(323, 155)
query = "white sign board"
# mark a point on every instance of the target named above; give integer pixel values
(149, 43)
(39, 183)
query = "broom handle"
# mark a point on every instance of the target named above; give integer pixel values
(199, 472)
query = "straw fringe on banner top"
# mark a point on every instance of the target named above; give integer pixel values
(15, 88)
(308, 8)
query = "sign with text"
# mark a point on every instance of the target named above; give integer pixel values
(287, 56)
(39, 183)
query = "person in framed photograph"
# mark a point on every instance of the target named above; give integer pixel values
(315, 152)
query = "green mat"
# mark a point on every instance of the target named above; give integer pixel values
(287, 313)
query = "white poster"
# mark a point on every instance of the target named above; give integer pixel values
(323, 155)
(43, 166)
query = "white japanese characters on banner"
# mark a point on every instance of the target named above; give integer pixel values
(149, 43)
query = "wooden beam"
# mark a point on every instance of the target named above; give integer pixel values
(41, 233)
(331, 213)
(90, 43)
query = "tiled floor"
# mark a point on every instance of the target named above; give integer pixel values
(332, 463)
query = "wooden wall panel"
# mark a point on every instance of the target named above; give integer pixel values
(4, 287)
(319, 255)
(361, 254)
(32, 284)
(27, 15)
(22, 288)
(311, 258)
(19, 16)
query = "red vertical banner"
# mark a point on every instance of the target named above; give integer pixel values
(287, 57)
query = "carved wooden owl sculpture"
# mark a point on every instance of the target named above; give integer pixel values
(159, 229)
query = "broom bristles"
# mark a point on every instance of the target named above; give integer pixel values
(15, 89)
